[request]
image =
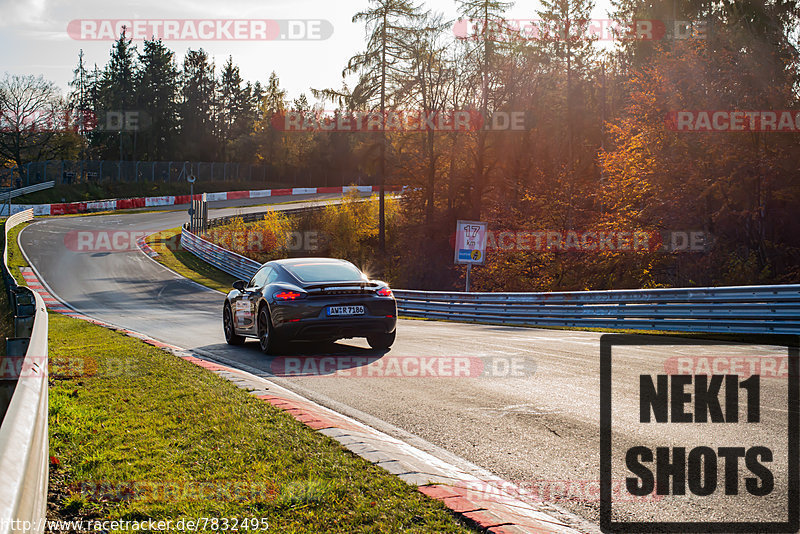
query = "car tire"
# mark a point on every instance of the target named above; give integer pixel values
(266, 334)
(231, 337)
(381, 341)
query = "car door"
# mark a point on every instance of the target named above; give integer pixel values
(244, 306)
(263, 278)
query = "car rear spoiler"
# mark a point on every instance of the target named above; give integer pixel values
(341, 286)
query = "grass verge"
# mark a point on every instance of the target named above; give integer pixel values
(186, 264)
(138, 433)
(15, 257)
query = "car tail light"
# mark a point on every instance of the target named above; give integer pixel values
(288, 295)
(385, 292)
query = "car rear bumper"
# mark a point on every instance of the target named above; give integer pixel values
(304, 320)
(315, 329)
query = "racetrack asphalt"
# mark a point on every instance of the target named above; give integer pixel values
(539, 428)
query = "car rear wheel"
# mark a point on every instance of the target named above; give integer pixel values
(381, 341)
(227, 325)
(266, 334)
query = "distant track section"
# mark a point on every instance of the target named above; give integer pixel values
(147, 202)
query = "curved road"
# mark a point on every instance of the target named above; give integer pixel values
(539, 429)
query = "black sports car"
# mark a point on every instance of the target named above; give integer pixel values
(312, 299)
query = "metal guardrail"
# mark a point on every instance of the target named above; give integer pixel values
(221, 258)
(6, 196)
(23, 433)
(14, 193)
(741, 309)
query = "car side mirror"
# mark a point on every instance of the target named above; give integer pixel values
(240, 285)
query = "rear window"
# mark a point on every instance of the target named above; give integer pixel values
(324, 271)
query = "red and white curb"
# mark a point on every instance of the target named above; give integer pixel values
(147, 202)
(145, 247)
(483, 500)
(52, 303)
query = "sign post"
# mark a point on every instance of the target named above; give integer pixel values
(470, 246)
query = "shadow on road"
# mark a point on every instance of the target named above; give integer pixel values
(303, 359)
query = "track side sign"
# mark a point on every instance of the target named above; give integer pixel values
(470, 246)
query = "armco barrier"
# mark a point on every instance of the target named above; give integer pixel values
(221, 258)
(746, 309)
(23, 432)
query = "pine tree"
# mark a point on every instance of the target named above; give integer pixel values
(116, 93)
(157, 93)
(233, 104)
(79, 98)
(272, 103)
(197, 108)
(386, 54)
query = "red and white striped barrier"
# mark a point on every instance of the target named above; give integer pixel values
(147, 202)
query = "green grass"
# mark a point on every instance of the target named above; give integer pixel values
(186, 264)
(15, 257)
(155, 432)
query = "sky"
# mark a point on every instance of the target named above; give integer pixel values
(36, 36)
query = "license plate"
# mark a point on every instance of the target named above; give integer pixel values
(345, 310)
